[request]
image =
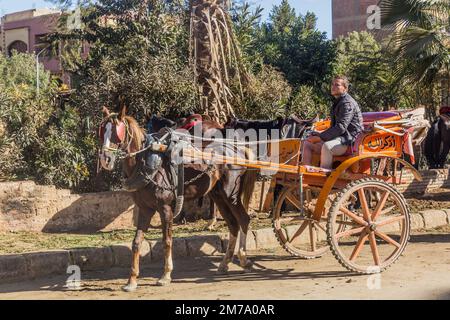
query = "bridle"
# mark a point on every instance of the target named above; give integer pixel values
(122, 132)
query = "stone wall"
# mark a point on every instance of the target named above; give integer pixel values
(25, 206)
(432, 179)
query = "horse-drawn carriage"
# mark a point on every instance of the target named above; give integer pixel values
(342, 208)
(346, 207)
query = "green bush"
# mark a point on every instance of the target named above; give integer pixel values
(22, 114)
(307, 103)
(266, 97)
(37, 140)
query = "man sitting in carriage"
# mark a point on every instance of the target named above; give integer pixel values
(346, 125)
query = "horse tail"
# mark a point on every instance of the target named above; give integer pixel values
(248, 181)
(428, 145)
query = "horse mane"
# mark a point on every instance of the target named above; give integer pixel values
(136, 131)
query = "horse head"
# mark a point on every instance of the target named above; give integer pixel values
(294, 127)
(231, 122)
(119, 135)
(156, 123)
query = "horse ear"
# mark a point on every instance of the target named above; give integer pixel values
(106, 111)
(122, 112)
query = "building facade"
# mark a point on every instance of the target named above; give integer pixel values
(350, 15)
(23, 31)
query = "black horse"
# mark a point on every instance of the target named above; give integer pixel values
(288, 128)
(437, 142)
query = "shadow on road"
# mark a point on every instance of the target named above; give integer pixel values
(431, 238)
(186, 270)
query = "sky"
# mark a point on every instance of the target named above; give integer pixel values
(322, 8)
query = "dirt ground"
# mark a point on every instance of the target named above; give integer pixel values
(434, 199)
(422, 273)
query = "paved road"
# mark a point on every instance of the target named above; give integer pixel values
(422, 273)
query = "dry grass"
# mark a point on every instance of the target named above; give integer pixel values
(21, 242)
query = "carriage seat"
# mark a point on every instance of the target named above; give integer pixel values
(368, 119)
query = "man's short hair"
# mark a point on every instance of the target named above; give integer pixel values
(344, 79)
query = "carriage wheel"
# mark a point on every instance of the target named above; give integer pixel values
(381, 222)
(298, 234)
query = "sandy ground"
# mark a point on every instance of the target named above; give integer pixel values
(422, 273)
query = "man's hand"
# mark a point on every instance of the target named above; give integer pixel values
(314, 139)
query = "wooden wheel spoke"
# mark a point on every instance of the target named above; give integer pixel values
(299, 231)
(289, 226)
(388, 239)
(292, 199)
(380, 205)
(374, 249)
(312, 236)
(292, 219)
(349, 232)
(359, 245)
(353, 216)
(320, 226)
(364, 205)
(387, 210)
(347, 223)
(390, 220)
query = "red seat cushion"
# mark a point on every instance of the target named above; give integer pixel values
(350, 150)
(444, 110)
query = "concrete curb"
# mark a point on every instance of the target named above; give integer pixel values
(27, 266)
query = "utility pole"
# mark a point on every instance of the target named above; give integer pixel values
(37, 70)
(2, 33)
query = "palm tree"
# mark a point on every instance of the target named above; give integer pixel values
(420, 39)
(216, 57)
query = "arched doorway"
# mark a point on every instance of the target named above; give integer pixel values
(19, 46)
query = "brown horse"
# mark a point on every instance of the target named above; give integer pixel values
(229, 186)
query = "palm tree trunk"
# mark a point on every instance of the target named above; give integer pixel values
(215, 57)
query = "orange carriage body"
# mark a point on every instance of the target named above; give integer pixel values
(284, 161)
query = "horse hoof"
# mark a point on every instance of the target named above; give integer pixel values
(248, 265)
(163, 282)
(130, 287)
(222, 270)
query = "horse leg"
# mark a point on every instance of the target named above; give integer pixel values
(444, 154)
(240, 215)
(212, 215)
(167, 223)
(144, 218)
(437, 147)
(244, 221)
(233, 227)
